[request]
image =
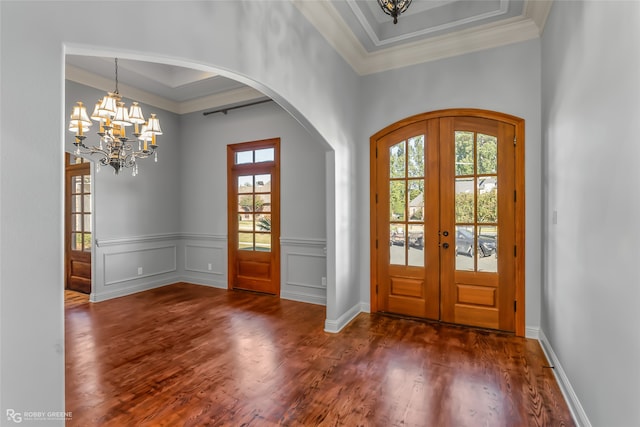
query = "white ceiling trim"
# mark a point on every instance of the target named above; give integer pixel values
(217, 100)
(504, 6)
(86, 78)
(327, 20)
(234, 96)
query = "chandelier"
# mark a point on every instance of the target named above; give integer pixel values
(115, 148)
(394, 7)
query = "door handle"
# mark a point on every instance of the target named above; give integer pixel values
(445, 245)
(445, 233)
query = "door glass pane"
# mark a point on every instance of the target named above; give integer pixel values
(416, 156)
(245, 222)
(76, 241)
(465, 200)
(76, 203)
(263, 202)
(464, 153)
(243, 157)
(488, 248)
(265, 155)
(487, 154)
(87, 183)
(245, 184)
(397, 200)
(416, 199)
(245, 203)
(416, 246)
(76, 222)
(245, 241)
(87, 223)
(263, 183)
(86, 208)
(76, 184)
(397, 160)
(263, 222)
(263, 242)
(465, 245)
(488, 199)
(87, 242)
(397, 245)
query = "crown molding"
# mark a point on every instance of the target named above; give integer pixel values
(87, 78)
(538, 11)
(326, 19)
(234, 96)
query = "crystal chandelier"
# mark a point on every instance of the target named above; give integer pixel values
(394, 7)
(115, 147)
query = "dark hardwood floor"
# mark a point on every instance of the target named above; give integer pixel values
(198, 356)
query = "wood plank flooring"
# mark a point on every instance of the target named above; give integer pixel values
(188, 355)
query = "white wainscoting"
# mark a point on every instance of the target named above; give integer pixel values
(128, 265)
(125, 266)
(204, 259)
(303, 265)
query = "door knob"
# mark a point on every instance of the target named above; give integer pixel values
(445, 233)
(445, 245)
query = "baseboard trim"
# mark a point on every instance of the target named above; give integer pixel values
(335, 326)
(577, 411)
(204, 282)
(300, 297)
(130, 290)
(532, 332)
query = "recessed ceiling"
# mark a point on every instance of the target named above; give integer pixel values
(375, 30)
(358, 29)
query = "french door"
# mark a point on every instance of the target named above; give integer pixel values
(78, 230)
(254, 216)
(444, 217)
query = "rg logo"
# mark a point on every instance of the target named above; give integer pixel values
(14, 416)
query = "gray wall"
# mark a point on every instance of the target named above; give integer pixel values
(591, 106)
(505, 79)
(302, 185)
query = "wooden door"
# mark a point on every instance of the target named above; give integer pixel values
(444, 220)
(78, 224)
(477, 192)
(254, 216)
(407, 193)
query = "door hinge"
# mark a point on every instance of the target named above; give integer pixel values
(514, 140)
(514, 196)
(514, 250)
(376, 243)
(376, 197)
(515, 305)
(376, 152)
(376, 289)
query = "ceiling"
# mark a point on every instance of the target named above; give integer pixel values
(358, 29)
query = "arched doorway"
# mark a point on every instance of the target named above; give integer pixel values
(447, 218)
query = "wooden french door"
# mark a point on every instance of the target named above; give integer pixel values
(78, 224)
(254, 216)
(444, 217)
